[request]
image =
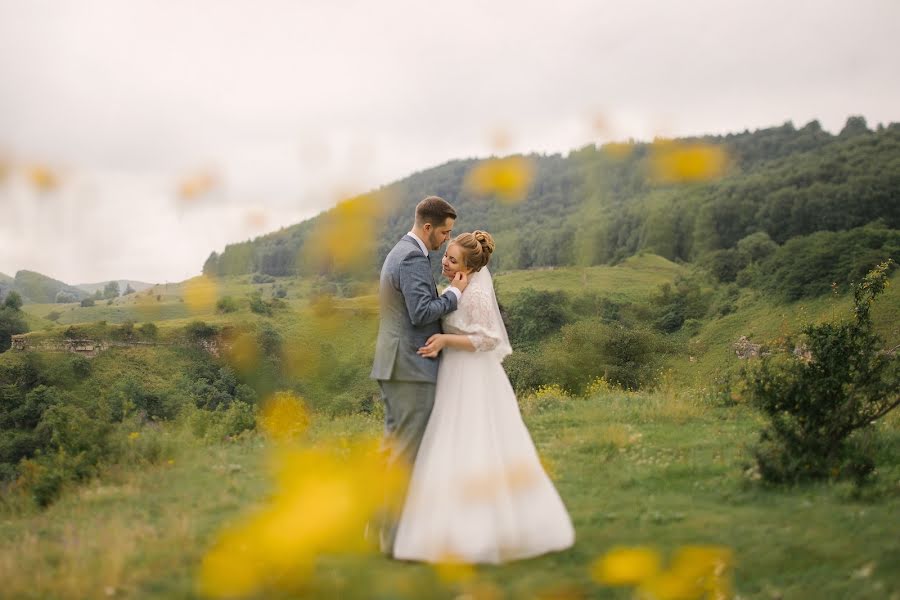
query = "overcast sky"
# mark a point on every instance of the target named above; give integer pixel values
(288, 106)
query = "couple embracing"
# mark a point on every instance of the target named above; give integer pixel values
(478, 492)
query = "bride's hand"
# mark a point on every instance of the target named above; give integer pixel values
(433, 346)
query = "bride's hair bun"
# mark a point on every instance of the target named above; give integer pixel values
(477, 248)
(485, 239)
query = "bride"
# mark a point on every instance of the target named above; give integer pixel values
(478, 492)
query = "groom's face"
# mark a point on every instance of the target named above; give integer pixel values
(439, 234)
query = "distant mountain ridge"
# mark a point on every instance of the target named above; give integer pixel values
(137, 286)
(41, 289)
(600, 205)
(38, 288)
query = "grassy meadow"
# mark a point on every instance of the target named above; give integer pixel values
(662, 469)
(665, 467)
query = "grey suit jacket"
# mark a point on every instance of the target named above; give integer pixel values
(411, 310)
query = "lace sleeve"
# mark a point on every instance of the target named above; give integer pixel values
(479, 321)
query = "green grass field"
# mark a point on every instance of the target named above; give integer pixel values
(662, 470)
(665, 468)
(632, 280)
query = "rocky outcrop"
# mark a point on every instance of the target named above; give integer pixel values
(744, 348)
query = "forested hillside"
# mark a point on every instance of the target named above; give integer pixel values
(599, 205)
(35, 287)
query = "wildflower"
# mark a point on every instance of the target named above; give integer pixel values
(284, 416)
(672, 162)
(626, 566)
(507, 178)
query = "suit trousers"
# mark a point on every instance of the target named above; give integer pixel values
(407, 407)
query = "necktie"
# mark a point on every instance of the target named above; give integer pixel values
(431, 268)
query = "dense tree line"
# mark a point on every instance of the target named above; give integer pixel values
(598, 206)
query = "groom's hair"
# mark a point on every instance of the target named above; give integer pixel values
(434, 210)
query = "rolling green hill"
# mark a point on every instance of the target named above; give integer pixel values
(35, 287)
(601, 205)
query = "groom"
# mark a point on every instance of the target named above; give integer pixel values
(411, 310)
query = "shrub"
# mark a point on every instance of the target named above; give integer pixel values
(674, 304)
(262, 278)
(822, 399)
(149, 331)
(125, 331)
(598, 387)
(87, 302)
(523, 368)
(238, 418)
(259, 306)
(546, 397)
(226, 304)
(197, 331)
(534, 315)
(65, 298)
(585, 350)
(53, 315)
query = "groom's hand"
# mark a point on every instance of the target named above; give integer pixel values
(460, 281)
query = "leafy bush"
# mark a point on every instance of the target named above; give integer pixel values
(544, 398)
(260, 306)
(149, 331)
(226, 304)
(672, 305)
(523, 367)
(822, 399)
(125, 331)
(585, 350)
(65, 298)
(87, 302)
(535, 314)
(12, 322)
(262, 278)
(197, 331)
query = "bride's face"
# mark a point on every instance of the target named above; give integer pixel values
(452, 262)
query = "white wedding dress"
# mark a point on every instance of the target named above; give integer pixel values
(478, 492)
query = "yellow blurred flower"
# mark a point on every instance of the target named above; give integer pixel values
(196, 186)
(509, 179)
(242, 353)
(133, 435)
(675, 162)
(301, 360)
(626, 566)
(617, 150)
(344, 238)
(322, 501)
(284, 416)
(255, 220)
(451, 570)
(42, 178)
(200, 293)
(500, 140)
(703, 571)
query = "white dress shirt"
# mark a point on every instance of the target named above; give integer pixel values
(424, 248)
